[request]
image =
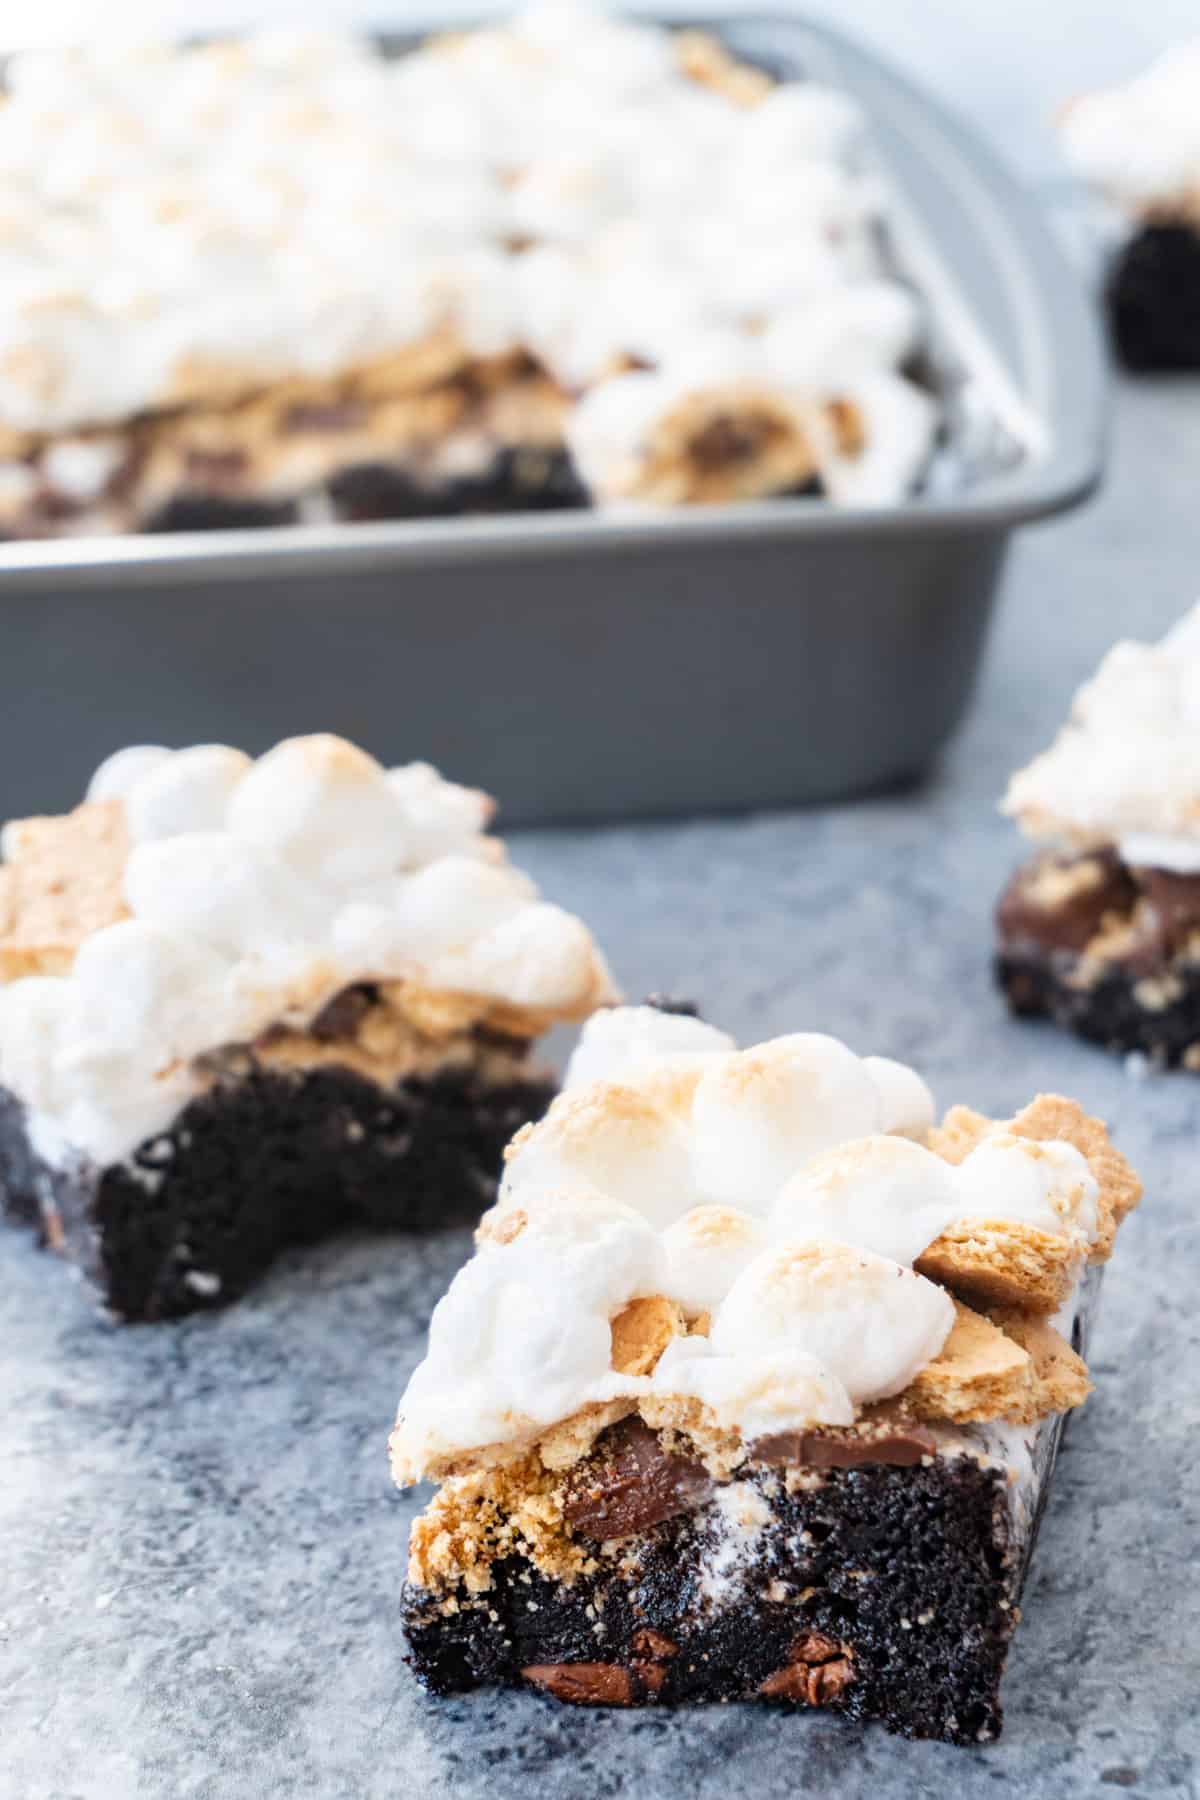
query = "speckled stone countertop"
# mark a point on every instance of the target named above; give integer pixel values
(200, 1552)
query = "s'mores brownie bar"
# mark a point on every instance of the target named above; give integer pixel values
(1138, 145)
(1100, 931)
(245, 1004)
(560, 261)
(754, 1386)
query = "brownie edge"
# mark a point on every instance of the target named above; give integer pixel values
(879, 1592)
(263, 1161)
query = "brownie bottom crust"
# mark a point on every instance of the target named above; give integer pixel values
(1154, 299)
(879, 1592)
(260, 1162)
(1039, 984)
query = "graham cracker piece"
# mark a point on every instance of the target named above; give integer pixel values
(979, 1373)
(1060, 1376)
(1049, 1118)
(959, 1132)
(1003, 1262)
(63, 880)
(475, 1520)
(642, 1332)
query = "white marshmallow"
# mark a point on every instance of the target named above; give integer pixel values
(221, 889)
(871, 1323)
(621, 1041)
(455, 900)
(907, 1103)
(883, 1194)
(138, 985)
(324, 807)
(1140, 143)
(756, 1393)
(121, 771)
(188, 791)
(540, 956)
(1126, 767)
(439, 816)
(1048, 1185)
(707, 1249)
(37, 1021)
(761, 1115)
(612, 1138)
(523, 1336)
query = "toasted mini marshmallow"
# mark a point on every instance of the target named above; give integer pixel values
(871, 1323)
(707, 1249)
(610, 1137)
(884, 1194)
(189, 790)
(620, 1041)
(760, 1116)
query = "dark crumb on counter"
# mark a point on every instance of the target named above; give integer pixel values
(1154, 299)
(262, 1162)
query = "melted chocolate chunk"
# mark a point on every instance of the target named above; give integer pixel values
(327, 415)
(583, 1684)
(816, 1672)
(630, 1483)
(341, 1017)
(899, 1448)
(216, 468)
(1023, 917)
(726, 440)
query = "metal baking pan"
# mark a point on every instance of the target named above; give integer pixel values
(585, 666)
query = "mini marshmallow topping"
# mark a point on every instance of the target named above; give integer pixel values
(777, 1197)
(1125, 769)
(184, 225)
(257, 890)
(1140, 143)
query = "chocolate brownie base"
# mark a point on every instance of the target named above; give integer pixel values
(881, 1593)
(1154, 299)
(1038, 984)
(260, 1162)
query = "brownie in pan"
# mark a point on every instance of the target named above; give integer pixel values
(1100, 930)
(246, 1004)
(1138, 145)
(566, 260)
(754, 1386)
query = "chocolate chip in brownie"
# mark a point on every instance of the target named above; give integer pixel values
(631, 1483)
(900, 1447)
(584, 1684)
(816, 1672)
